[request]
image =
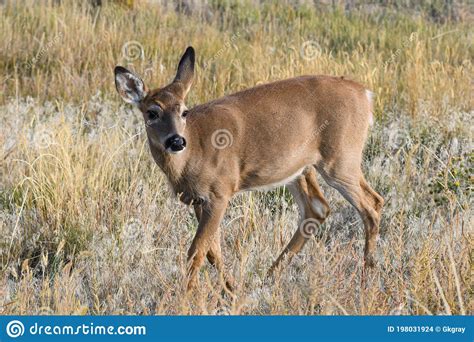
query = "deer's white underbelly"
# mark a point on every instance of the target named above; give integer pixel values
(277, 184)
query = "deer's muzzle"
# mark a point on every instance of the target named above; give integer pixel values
(175, 144)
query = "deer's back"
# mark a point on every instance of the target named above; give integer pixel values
(295, 122)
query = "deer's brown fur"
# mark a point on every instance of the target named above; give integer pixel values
(277, 133)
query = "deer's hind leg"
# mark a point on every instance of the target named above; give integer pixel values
(313, 209)
(347, 178)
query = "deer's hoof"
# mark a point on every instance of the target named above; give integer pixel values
(369, 261)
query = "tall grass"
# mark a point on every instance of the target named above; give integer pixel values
(68, 51)
(87, 224)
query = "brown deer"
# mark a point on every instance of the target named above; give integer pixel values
(273, 134)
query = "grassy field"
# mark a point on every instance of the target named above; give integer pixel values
(87, 223)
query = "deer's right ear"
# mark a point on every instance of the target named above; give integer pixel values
(130, 87)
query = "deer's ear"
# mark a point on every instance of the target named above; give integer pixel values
(185, 74)
(130, 87)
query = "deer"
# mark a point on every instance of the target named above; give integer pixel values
(274, 134)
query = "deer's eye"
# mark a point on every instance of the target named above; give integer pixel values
(185, 113)
(153, 114)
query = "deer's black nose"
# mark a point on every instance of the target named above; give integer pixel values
(175, 143)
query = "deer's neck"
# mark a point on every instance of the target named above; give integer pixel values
(175, 167)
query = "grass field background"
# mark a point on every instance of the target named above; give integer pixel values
(87, 223)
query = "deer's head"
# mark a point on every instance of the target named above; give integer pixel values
(163, 109)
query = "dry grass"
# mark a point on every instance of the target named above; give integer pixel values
(87, 224)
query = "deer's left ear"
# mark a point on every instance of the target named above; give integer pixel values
(185, 74)
(130, 87)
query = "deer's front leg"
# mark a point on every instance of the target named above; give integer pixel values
(210, 216)
(214, 254)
